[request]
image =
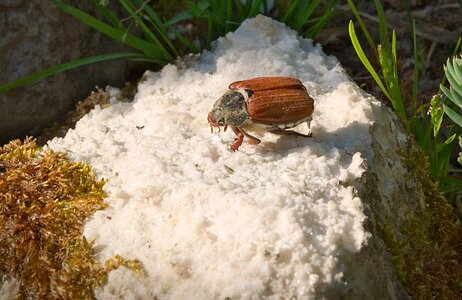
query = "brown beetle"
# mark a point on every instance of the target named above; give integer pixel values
(270, 103)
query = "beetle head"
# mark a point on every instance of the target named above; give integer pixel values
(216, 119)
(229, 109)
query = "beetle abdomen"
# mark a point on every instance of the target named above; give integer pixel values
(290, 125)
(280, 107)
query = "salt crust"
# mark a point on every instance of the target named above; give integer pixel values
(268, 221)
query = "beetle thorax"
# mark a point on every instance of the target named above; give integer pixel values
(230, 109)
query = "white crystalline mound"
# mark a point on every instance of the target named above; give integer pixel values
(274, 220)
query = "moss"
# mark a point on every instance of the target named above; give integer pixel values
(44, 201)
(426, 245)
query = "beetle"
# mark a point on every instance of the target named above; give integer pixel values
(271, 104)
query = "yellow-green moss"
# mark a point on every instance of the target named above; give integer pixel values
(44, 201)
(427, 247)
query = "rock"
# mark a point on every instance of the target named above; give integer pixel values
(280, 219)
(292, 217)
(36, 35)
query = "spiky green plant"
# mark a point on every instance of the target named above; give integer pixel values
(453, 72)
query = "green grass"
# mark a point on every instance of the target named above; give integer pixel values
(423, 118)
(64, 67)
(158, 41)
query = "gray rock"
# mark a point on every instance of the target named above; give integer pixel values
(36, 35)
(348, 214)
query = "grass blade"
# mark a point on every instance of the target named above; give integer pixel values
(146, 30)
(160, 26)
(290, 11)
(415, 81)
(186, 42)
(134, 15)
(304, 14)
(364, 60)
(445, 144)
(66, 66)
(240, 8)
(108, 14)
(366, 33)
(390, 72)
(321, 23)
(148, 49)
(382, 21)
(229, 14)
(254, 8)
(182, 16)
(393, 50)
(453, 184)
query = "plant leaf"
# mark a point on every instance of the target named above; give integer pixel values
(108, 14)
(368, 36)
(321, 23)
(66, 66)
(442, 146)
(415, 81)
(364, 60)
(453, 115)
(452, 95)
(182, 16)
(382, 22)
(148, 49)
(450, 69)
(453, 81)
(290, 11)
(304, 14)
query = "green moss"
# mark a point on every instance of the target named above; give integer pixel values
(426, 244)
(44, 201)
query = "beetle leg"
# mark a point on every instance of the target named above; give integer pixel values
(289, 132)
(308, 122)
(238, 141)
(252, 140)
